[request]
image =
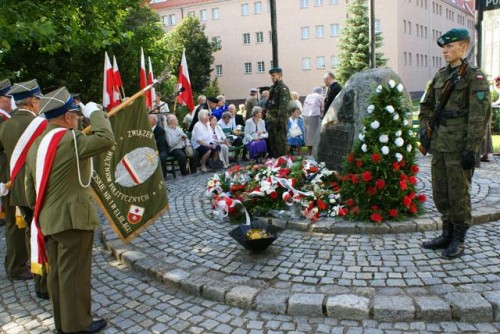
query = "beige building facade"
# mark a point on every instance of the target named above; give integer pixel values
(308, 38)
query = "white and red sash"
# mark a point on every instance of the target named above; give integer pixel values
(44, 159)
(18, 159)
(4, 115)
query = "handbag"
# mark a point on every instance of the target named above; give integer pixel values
(295, 132)
(189, 151)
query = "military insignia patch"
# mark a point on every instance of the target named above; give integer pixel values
(480, 77)
(480, 95)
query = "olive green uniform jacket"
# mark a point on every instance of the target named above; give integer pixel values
(277, 118)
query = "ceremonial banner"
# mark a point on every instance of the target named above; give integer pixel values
(127, 181)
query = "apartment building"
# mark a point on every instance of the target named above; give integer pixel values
(308, 37)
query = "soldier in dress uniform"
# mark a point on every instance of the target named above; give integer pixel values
(276, 114)
(455, 140)
(65, 210)
(16, 136)
(16, 259)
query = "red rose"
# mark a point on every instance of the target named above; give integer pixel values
(406, 201)
(376, 217)
(414, 169)
(421, 198)
(350, 202)
(350, 157)
(366, 176)
(411, 195)
(355, 179)
(359, 163)
(413, 208)
(395, 166)
(321, 205)
(343, 211)
(374, 207)
(403, 185)
(412, 179)
(283, 172)
(273, 195)
(371, 191)
(349, 176)
(376, 157)
(380, 184)
(393, 213)
(403, 177)
(355, 211)
(402, 163)
(313, 169)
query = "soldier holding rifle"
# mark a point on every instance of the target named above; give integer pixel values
(453, 115)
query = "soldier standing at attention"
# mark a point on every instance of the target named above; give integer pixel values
(58, 175)
(455, 140)
(277, 113)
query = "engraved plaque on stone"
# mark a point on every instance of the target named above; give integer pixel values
(336, 142)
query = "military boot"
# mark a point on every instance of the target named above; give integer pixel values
(456, 247)
(443, 241)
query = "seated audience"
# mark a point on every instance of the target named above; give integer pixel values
(202, 140)
(255, 135)
(177, 141)
(295, 132)
(161, 142)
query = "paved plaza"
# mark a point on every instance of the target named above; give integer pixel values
(185, 274)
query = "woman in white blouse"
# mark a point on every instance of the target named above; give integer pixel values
(219, 138)
(202, 140)
(256, 134)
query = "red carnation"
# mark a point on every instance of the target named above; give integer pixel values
(371, 190)
(273, 195)
(350, 202)
(313, 169)
(376, 157)
(403, 185)
(321, 205)
(414, 169)
(421, 198)
(412, 179)
(411, 195)
(343, 211)
(406, 201)
(374, 207)
(413, 208)
(380, 184)
(395, 166)
(359, 163)
(283, 172)
(402, 163)
(376, 217)
(350, 157)
(403, 177)
(366, 176)
(393, 213)
(355, 179)
(355, 211)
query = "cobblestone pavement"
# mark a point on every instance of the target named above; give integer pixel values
(184, 274)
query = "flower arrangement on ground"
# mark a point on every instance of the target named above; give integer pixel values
(380, 172)
(275, 185)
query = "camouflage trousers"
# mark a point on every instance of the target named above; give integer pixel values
(277, 138)
(451, 188)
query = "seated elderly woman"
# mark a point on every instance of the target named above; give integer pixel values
(202, 141)
(256, 134)
(177, 141)
(295, 132)
(218, 137)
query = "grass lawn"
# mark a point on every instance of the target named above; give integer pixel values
(496, 143)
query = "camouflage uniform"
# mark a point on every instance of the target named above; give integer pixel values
(461, 128)
(277, 117)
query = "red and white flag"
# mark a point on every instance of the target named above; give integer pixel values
(117, 80)
(184, 84)
(151, 78)
(144, 81)
(108, 84)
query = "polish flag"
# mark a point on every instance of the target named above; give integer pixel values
(108, 99)
(152, 91)
(117, 80)
(144, 81)
(184, 84)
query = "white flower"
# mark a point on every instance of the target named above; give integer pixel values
(392, 83)
(410, 133)
(385, 150)
(405, 122)
(379, 89)
(399, 142)
(383, 138)
(362, 136)
(370, 108)
(409, 147)
(364, 148)
(400, 87)
(398, 156)
(390, 109)
(375, 125)
(395, 117)
(398, 133)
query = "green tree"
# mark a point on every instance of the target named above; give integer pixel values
(190, 34)
(355, 43)
(63, 43)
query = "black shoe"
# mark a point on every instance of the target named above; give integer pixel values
(443, 241)
(457, 245)
(95, 327)
(26, 275)
(42, 295)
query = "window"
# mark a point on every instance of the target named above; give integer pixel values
(304, 3)
(318, 3)
(215, 14)
(246, 38)
(244, 10)
(217, 42)
(259, 37)
(218, 70)
(320, 31)
(203, 15)
(257, 7)
(409, 28)
(306, 63)
(378, 27)
(164, 19)
(169, 20)
(333, 2)
(404, 26)
(320, 62)
(335, 61)
(261, 67)
(305, 32)
(248, 68)
(334, 30)
(409, 58)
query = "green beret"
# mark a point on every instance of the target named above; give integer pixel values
(275, 70)
(453, 35)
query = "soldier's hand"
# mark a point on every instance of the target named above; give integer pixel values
(89, 108)
(468, 159)
(3, 190)
(422, 137)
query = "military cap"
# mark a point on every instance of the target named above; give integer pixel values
(4, 87)
(56, 103)
(453, 35)
(275, 70)
(253, 90)
(213, 99)
(23, 90)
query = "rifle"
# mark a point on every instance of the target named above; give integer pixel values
(434, 121)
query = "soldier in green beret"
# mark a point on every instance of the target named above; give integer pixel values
(455, 140)
(277, 113)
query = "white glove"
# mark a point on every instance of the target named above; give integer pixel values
(3, 191)
(88, 109)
